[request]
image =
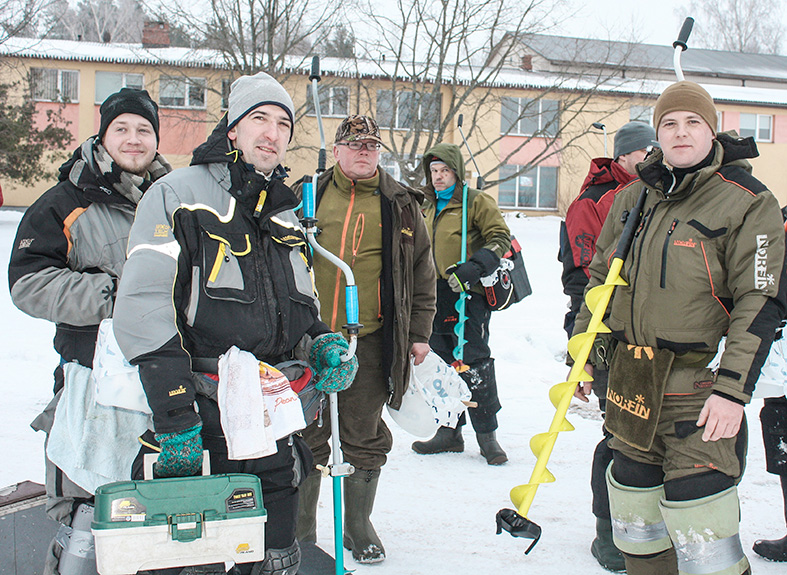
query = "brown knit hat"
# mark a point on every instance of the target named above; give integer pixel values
(686, 97)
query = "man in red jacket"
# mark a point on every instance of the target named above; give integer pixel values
(578, 235)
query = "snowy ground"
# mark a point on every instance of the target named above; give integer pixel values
(435, 514)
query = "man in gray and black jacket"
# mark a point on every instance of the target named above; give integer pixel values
(71, 247)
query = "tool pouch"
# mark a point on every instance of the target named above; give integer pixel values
(635, 392)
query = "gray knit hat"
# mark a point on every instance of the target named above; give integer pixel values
(250, 92)
(632, 137)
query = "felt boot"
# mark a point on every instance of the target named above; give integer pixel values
(491, 449)
(603, 548)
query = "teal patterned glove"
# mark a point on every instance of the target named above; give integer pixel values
(327, 350)
(181, 453)
(339, 378)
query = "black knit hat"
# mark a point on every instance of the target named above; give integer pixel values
(128, 101)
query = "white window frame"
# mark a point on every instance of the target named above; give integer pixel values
(330, 104)
(58, 97)
(542, 120)
(124, 83)
(516, 182)
(186, 83)
(759, 121)
(398, 121)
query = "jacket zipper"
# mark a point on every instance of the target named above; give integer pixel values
(664, 250)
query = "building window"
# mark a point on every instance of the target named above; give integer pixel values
(534, 189)
(51, 85)
(759, 126)
(334, 101)
(389, 164)
(107, 83)
(641, 114)
(179, 92)
(408, 110)
(528, 117)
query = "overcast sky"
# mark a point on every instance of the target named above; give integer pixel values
(651, 22)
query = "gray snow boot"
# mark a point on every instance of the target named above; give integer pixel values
(360, 537)
(309, 495)
(604, 550)
(445, 440)
(491, 449)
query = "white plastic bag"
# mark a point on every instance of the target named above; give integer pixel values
(434, 398)
(773, 377)
(117, 381)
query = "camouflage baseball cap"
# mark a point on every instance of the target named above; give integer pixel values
(357, 127)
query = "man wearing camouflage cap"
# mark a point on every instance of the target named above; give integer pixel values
(373, 223)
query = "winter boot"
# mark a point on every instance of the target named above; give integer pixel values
(445, 440)
(774, 549)
(603, 548)
(309, 492)
(491, 449)
(359, 534)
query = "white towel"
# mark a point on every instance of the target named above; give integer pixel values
(242, 408)
(92, 444)
(281, 402)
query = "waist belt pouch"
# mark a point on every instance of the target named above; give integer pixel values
(635, 392)
(301, 378)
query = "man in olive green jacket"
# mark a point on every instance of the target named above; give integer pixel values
(488, 238)
(706, 261)
(375, 225)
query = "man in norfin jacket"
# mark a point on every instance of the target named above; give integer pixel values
(218, 259)
(706, 260)
(70, 250)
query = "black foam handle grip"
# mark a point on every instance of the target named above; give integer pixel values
(321, 160)
(685, 32)
(315, 75)
(460, 120)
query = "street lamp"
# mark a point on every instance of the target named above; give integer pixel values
(600, 126)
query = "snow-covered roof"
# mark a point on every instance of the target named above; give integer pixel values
(515, 78)
(564, 50)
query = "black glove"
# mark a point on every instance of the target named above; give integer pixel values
(462, 277)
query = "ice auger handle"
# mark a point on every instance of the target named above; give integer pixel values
(518, 526)
(683, 36)
(627, 235)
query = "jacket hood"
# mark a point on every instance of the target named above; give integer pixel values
(83, 172)
(728, 148)
(604, 171)
(451, 154)
(216, 149)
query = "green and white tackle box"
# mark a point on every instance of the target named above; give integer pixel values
(177, 522)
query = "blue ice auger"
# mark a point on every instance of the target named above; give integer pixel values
(337, 469)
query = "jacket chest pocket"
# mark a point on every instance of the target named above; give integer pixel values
(227, 267)
(690, 259)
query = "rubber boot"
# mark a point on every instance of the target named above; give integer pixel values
(309, 495)
(603, 548)
(359, 534)
(774, 549)
(491, 449)
(445, 440)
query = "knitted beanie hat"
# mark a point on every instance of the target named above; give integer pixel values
(128, 101)
(250, 92)
(632, 137)
(686, 97)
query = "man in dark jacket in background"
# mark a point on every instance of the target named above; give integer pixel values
(578, 235)
(218, 259)
(70, 250)
(375, 225)
(488, 238)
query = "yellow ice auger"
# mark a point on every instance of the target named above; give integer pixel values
(579, 347)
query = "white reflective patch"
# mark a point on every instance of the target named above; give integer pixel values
(284, 224)
(171, 249)
(222, 218)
